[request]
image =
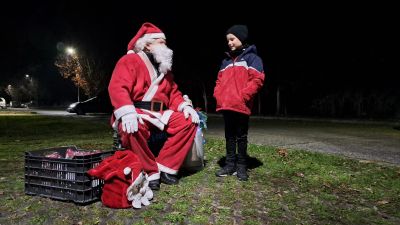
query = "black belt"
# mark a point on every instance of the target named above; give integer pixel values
(155, 106)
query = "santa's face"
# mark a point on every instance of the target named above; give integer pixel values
(162, 54)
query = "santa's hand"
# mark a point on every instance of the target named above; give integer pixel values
(130, 122)
(188, 110)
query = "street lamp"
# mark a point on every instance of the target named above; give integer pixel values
(10, 93)
(28, 77)
(72, 52)
(30, 85)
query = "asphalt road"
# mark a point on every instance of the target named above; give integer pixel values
(367, 141)
(373, 142)
(58, 112)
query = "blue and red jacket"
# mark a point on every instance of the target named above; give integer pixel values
(239, 80)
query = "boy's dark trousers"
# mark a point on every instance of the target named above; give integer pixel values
(236, 129)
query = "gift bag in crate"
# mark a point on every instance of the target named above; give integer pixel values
(57, 174)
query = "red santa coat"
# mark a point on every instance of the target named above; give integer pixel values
(134, 79)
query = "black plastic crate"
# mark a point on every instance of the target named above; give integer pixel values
(63, 179)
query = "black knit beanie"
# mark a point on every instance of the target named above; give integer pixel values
(240, 31)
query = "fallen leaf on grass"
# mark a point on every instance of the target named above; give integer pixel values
(365, 161)
(147, 220)
(382, 202)
(370, 190)
(327, 185)
(353, 189)
(285, 208)
(223, 207)
(300, 174)
(282, 152)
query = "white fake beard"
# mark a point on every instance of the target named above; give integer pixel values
(163, 55)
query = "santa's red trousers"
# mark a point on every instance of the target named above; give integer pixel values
(180, 132)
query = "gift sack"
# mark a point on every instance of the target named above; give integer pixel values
(125, 183)
(194, 160)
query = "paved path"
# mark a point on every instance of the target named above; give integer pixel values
(375, 142)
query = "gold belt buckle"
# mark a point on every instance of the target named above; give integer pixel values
(152, 106)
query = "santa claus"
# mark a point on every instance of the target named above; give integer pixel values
(145, 96)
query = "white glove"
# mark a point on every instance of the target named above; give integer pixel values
(136, 201)
(139, 192)
(130, 122)
(188, 110)
(146, 192)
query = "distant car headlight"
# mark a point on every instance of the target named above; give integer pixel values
(72, 105)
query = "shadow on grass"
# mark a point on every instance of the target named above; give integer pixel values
(252, 162)
(184, 172)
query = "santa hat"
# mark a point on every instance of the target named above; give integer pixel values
(123, 173)
(147, 31)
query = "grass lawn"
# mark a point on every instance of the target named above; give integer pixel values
(286, 187)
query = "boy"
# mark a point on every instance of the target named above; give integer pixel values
(240, 77)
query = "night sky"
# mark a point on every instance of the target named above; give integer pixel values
(308, 50)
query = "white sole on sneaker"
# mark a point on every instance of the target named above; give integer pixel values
(224, 175)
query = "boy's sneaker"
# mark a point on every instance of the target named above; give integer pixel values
(225, 171)
(242, 173)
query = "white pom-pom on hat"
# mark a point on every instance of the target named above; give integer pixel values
(127, 170)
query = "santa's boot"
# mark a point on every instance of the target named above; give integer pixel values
(168, 178)
(154, 185)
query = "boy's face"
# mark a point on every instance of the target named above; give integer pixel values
(233, 42)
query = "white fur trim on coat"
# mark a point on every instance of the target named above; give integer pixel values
(154, 176)
(182, 105)
(153, 77)
(155, 121)
(124, 110)
(159, 120)
(165, 169)
(154, 35)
